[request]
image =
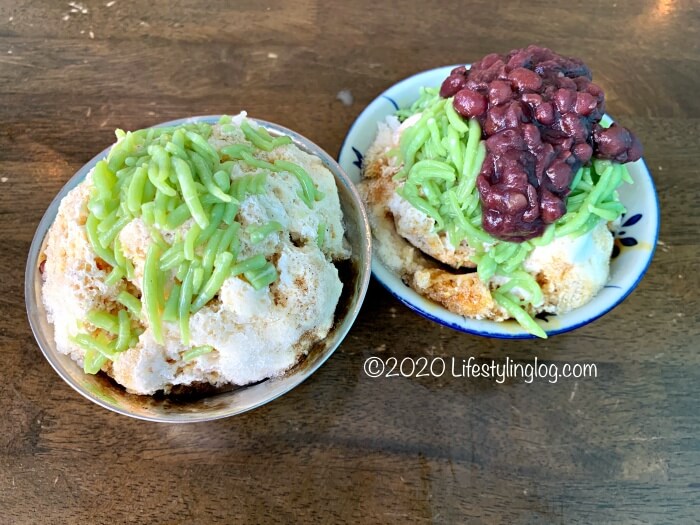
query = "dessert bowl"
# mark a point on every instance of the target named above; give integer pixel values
(635, 238)
(208, 403)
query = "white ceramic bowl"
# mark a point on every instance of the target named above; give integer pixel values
(635, 240)
(105, 392)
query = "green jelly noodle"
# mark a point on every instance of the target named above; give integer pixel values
(441, 156)
(167, 176)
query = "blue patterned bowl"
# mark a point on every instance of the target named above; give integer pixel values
(635, 240)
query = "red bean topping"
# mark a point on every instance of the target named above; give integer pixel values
(539, 113)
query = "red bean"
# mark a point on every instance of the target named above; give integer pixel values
(514, 177)
(452, 85)
(531, 99)
(521, 59)
(532, 137)
(585, 103)
(581, 83)
(612, 142)
(477, 85)
(564, 100)
(495, 120)
(573, 127)
(594, 90)
(488, 74)
(545, 156)
(499, 92)
(551, 206)
(567, 83)
(488, 61)
(583, 152)
(506, 140)
(559, 175)
(523, 79)
(545, 114)
(492, 222)
(470, 104)
(516, 202)
(514, 114)
(533, 211)
(507, 200)
(547, 68)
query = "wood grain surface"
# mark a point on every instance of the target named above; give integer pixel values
(343, 448)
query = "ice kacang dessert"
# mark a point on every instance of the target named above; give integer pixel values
(195, 254)
(494, 193)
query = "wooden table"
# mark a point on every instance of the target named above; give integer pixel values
(620, 448)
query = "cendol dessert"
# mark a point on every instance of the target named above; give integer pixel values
(494, 193)
(195, 254)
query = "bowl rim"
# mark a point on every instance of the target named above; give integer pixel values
(400, 291)
(362, 278)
